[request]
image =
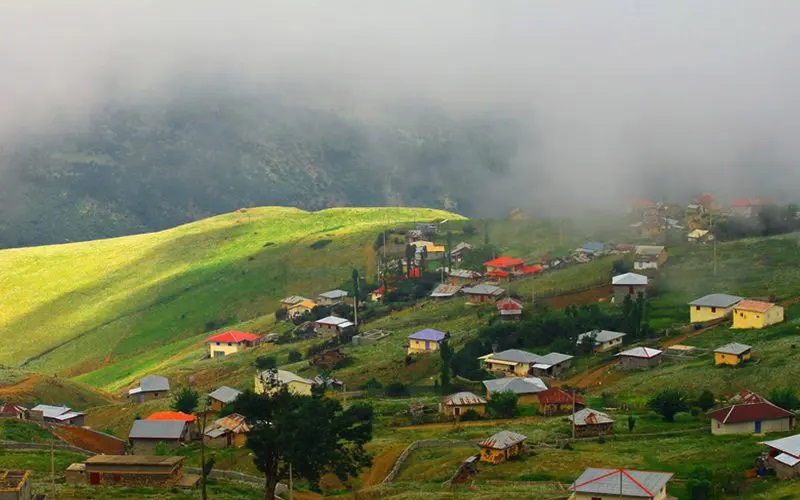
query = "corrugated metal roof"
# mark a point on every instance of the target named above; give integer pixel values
(154, 383)
(625, 482)
(464, 273)
(629, 279)
(517, 385)
(335, 321)
(754, 306)
(483, 289)
(429, 334)
(716, 300)
(787, 459)
(601, 336)
(334, 294)
(283, 377)
(503, 440)
(293, 299)
(588, 416)
(520, 356)
(641, 352)
(733, 348)
(157, 429)
(651, 250)
(463, 399)
(225, 394)
(444, 290)
(789, 445)
(750, 412)
(49, 411)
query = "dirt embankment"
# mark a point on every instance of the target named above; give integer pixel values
(90, 440)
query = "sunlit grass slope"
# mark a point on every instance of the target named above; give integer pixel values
(74, 308)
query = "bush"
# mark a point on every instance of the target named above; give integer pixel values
(372, 383)
(469, 229)
(397, 390)
(503, 404)
(470, 415)
(265, 363)
(785, 397)
(705, 400)
(669, 402)
(185, 400)
(295, 356)
(281, 314)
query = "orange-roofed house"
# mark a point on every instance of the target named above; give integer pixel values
(756, 314)
(503, 267)
(300, 308)
(748, 207)
(191, 420)
(223, 344)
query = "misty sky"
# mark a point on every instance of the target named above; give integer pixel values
(616, 97)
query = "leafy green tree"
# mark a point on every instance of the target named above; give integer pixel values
(185, 400)
(705, 400)
(313, 435)
(668, 403)
(281, 314)
(265, 363)
(446, 355)
(397, 390)
(294, 356)
(700, 484)
(503, 404)
(785, 397)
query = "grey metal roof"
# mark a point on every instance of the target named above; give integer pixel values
(284, 377)
(588, 416)
(520, 356)
(463, 399)
(154, 383)
(335, 321)
(629, 279)
(293, 299)
(49, 411)
(517, 385)
(623, 482)
(651, 250)
(733, 348)
(554, 358)
(445, 290)
(717, 300)
(641, 352)
(790, 445)
(464, 273)
(503, 440)
(225, 394)
(483, 289)
(334, 294)
(157, 429)
(601, 336)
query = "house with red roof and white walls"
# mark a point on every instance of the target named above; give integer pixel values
(231, 342)
(755, 415)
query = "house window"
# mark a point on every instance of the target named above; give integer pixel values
(217, 343)
(713, 309)
(456, 411)
(630, 290)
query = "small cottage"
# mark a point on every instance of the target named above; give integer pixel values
(457, 253)
(628, 285)
(15, 484)
(784, 457)
(756, 314)
(748, 207)
(590, 423)
(60, 415)
(607, 484)
(463, 277)
(483, 293)
(503, 267)
(639, 358)
(132, 471)
(526, 388)
(227, 432)
(732, 354)
(426, 340)
(649, 257)
(518, 363)
(712, 307)
(333, 325)
(10, 410)
(272, 380)
(603, 340)
(300, 308)
(150, 387)
(146, 435)
(509, 308)
(332, 297)
(445, 291)
(291, 300)
(555, 401)
(455, 405)
(221, 397)
(502, 446)
(700, 236)
(223, 344)
(759, 417)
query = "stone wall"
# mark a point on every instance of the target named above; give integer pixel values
(429, 443)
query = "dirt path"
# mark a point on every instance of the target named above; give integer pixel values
(475, 423)
(381, 465)
(88, 439)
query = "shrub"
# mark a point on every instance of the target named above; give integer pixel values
(785, 397)
(265, 363)
(372, 383)
(470, 415)
(469, 229)
(185, 400)
(295, 356)
(705, 400)
(503, 404)
(281, 314)
(669, 402)
(397, 390)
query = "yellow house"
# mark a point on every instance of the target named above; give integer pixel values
(732, 354)
(502, 446)
(223, 344)
(756, 314)
(455, 405)
(711, 307)
(427, 340)
(271, 380)
(300, 308)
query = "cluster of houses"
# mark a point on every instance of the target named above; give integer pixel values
(297, 305)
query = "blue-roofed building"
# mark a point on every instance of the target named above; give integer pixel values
(592, 247)
(426, 340)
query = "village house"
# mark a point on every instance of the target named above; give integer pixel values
(628, 285)
(432, 250)
(223, 344)
(620, 484)
(300, 308)
(758, 416)
(272, 380)
(445, 291)
(145, 435)
(480, 294)
(333, 325)
(509, 308)
(425, 341)
(648, 257)
(592, 248)
(60, 415)
(227, 432)
(700, 236)
(291, 300)
(756, 314)
(502, 446)
(503, 267)
(603, 340)
(222, 397)
(519, 363)
(526, 388)
(457, 253)
(332, 297)
(712, 307)
(455, 405)
(639, 358)
(732, 354)
(131, 471)
(748, 207)
(590, 423)
(15, 484)
(191, 420)
(150, 387)
(9, 410)
(555, 401)
(463, 277)
(784, 457)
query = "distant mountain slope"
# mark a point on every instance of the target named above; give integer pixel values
(73, 308)
(147, 166)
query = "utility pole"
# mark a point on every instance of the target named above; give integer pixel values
(53, 464)
(291, 485)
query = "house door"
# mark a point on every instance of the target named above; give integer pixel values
(758, 426)
(94, 478)
(427, 346)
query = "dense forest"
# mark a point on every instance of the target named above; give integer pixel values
(147, 166)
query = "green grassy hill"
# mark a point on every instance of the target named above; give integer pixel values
(72, 309)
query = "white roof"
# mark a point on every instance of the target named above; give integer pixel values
(629, 279)
(56, 412)
(293, 299)
(787, 459)
(588, 416)
(631, 483)
(733, 348)
(517, 385)
(464, 273)
(334, 294)
(649, 250)
(790, 445)
(335, 321)
(520, 356)
(284, 377)
(641, 352)
(151, 383)
(483, 289)
(601, 336)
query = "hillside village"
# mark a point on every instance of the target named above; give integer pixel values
(648, 356)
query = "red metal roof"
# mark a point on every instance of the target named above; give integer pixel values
(508, 304)
(234, 337)
(750, 202)
(532, 269)
(556, 396)
(749, 413)
(498, 274)
(504, 262)
(172, 415)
